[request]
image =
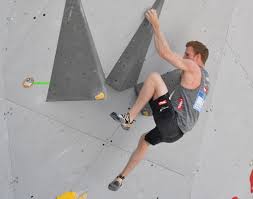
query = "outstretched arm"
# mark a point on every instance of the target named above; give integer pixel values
(162, 45)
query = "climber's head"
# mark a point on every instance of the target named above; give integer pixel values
(197, 52)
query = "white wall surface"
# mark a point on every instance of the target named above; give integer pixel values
(6, 180)
(227, 149)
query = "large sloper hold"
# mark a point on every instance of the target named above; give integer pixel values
(77, 72)
(126, 71)
(171, 79)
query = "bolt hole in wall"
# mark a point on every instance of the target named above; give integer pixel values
(44, 14)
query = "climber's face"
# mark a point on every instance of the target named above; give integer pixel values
(189, 53)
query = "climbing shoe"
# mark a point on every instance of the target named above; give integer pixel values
(116, 184)
(123, 119)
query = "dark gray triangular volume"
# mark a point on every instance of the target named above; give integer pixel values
(171, 79)
(77, 73)
(126, 71)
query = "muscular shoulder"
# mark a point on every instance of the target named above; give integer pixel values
(190, 65)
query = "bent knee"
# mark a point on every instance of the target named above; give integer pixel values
(143, 140)
(155, 75)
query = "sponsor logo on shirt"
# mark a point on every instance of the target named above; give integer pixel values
(180, 102)
(162, 102)
(200, 100)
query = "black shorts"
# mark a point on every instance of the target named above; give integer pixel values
(165, 117)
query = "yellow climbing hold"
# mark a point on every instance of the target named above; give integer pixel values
(67, 195)
(72, 195)
(145, 113)
(100, 96)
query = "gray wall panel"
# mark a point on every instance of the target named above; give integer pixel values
(48, 158)
(113, 24)
(126, 71)
(77, 73)
(226, 152)
(147, 181)
(5, 159)
(6, 186)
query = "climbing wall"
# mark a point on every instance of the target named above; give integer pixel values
(52, 147)
(77, 73)
(6, 180)
(126, 71)
(226, 160)
(5, 167)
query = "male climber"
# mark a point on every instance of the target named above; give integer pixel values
(174, 113)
